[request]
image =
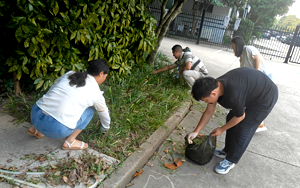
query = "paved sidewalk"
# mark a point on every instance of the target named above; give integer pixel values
(271, 160)
(16, 147)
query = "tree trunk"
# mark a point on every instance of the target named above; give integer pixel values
(17, 87)
(164, 25)
(196, 16)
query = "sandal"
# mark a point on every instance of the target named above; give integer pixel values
(74, 148)
(35, 134)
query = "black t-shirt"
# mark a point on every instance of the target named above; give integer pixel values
(247, 88)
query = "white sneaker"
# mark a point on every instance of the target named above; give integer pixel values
(260, 129)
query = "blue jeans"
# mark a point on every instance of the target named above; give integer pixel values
(52, 128)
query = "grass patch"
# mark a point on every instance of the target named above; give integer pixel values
(139, 104)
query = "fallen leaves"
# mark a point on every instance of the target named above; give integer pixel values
(2, 167)
(138, 173)
(129, 184)
(77, 170)
(149, 164)
(173, 166)
(166, 150)
(66, 180)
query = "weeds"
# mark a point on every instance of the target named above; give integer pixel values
(20, 106)
(138, 105)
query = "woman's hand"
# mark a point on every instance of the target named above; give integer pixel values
(217, 132)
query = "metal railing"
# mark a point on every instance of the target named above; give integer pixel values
(186, 26)
(275, 43)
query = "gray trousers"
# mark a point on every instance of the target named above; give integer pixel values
(191, 75)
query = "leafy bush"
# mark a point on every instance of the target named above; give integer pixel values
(245, 30)
(54, 36)
(226, 40)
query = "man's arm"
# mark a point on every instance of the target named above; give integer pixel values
(231, 123)
(188, 66)
(165, 68)
(210, 109)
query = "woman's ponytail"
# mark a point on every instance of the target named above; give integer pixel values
(94, 69)
(78, 79)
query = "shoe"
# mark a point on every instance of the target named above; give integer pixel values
(74, 148)
(220, 153)
(261, 128)
(35, 134)
(224, 167)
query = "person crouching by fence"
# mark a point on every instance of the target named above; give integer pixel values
(187, 64)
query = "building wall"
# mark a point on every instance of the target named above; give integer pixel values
(223, 11)
(188, 5)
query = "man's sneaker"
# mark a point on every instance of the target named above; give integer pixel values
(261, 128)
(220, 153)
(224, 167)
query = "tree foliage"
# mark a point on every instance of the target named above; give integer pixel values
(245, 30)
(54, 36)
(263, 12)
(288, 22)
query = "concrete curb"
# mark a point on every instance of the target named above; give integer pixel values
(140, 157)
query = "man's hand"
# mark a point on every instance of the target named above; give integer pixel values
(191, 137)
(155, 72)
(217, 132)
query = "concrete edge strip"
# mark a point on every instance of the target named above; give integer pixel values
(140, 157)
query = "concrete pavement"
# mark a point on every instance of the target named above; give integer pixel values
(18, 149)
(271, 160)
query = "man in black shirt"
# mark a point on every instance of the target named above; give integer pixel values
(250, 95)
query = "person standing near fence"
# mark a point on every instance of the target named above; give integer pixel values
(187, 64)
(250, 57)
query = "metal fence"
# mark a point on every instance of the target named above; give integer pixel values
(186, 26)
(275, 43)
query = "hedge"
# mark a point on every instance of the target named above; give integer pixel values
(55, 36)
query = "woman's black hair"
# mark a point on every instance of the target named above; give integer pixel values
(203, 87)
(94, 69)
(239, 43)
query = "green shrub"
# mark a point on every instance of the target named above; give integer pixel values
(245, 30)
(226, 40)
(55, 36)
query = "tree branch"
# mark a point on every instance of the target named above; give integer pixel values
(165, 18)
(163, 9)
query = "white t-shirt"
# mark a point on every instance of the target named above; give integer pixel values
(247, 59)
(67, 103)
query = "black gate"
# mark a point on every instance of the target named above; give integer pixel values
(275, 43)
(186, 26)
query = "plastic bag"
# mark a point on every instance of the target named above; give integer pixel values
(202, 149)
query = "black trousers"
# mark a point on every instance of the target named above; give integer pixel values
(238, 137)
